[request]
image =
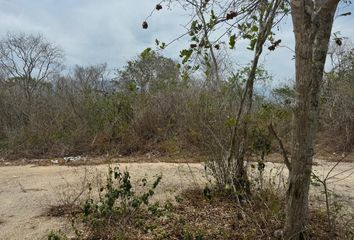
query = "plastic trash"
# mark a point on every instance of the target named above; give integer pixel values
(72, 159)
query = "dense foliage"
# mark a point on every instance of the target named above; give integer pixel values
(151, 105)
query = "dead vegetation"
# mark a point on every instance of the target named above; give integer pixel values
(162, 118)
(62, 210)
(213, 212)
(88, 113)
(197, 215)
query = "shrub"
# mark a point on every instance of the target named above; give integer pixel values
(116, 206)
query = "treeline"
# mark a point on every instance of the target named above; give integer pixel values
(150, 105)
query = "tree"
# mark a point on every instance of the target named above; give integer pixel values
(337, 99)
(265, 15)
(253, 21)
(149, 72)
(29, 60)
(312, 24)
(91, 78)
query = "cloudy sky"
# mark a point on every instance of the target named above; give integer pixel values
(99, 31)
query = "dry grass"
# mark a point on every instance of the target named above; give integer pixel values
(195, 216)
(221, 217)
(62, 210)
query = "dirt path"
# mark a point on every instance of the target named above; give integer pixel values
(26, 191)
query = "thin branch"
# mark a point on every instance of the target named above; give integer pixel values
(284, 152)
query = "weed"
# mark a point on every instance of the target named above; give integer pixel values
(116, 206)
(54, 235)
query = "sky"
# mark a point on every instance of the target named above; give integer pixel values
(109, 31)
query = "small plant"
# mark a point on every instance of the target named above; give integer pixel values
(116, 205)
(333, 207)
(199, 236)
(53, 235)
(207, 193)
(155, 209)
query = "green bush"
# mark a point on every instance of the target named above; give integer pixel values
(116, 205)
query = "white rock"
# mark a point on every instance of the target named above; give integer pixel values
(55, 161)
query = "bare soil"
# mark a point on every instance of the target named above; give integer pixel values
(26, 192)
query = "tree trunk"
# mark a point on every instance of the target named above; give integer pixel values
(312, 27)
(239, 137)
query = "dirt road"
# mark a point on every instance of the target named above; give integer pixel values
(27, 191)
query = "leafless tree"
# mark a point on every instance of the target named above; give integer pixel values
(29, 60)
(91, 77)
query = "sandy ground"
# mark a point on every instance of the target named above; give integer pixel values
(27, 191)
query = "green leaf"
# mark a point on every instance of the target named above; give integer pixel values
(252, 44)
(186, 54)
(247, 36)
(213, 16)
(231, 122)
(207, 193)
(254, 28)
(194, 28)
(146, 53)
(232, 41)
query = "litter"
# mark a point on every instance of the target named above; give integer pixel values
(72, 159)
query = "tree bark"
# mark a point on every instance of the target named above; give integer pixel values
(312, 22)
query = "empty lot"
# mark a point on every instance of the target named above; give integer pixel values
(26, 191)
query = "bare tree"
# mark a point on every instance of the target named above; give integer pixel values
(91, 78)
(337, 109)
(29, 60)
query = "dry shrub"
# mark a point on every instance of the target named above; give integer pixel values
(85, 113)
(196, 216)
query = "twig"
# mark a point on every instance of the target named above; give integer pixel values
(284, 153)
(82, 189)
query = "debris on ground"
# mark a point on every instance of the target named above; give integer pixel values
(55, 161)
(72, 159)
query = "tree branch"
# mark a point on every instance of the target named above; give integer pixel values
(284, 153)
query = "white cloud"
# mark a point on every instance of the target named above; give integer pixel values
(94, 31)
